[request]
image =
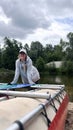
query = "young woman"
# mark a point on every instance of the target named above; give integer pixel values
(24, 67)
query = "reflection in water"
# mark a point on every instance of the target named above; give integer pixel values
(67, 81)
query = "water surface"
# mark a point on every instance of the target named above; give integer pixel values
(66, 80)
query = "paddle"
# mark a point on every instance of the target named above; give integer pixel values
(4, 86)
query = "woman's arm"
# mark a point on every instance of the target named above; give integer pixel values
(17, 72)
(28, 63)
(29, 68)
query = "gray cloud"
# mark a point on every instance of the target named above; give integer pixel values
(60, 8)
(26, 17)
(29, 15)
(25, 14)
(13, 31)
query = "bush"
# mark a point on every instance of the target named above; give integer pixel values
(51, 69)
(67, 68)
(40, 64)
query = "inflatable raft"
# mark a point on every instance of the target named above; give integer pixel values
(44, 108)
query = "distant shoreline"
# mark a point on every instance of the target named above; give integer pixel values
(4, 71)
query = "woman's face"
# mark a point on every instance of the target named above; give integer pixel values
(22, 56)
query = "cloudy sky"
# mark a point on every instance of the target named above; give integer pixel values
(36, 20)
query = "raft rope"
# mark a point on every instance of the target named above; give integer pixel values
(45, 115)
(61, 96)
(19, 123)
(57, 98)
(53, 105)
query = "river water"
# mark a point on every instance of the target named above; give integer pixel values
(65, 80)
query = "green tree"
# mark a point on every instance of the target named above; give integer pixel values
(69, 47)
(70, 38)
(48, 53)
(67, 68)
(58, 53)
(40, 64)
(49, 48)
(63, 44)
(26, 46)
(36, 50)
(10, 53)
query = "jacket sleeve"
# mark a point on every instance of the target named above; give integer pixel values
(29, 64)
(32, 72)
(17, 72)
(30, 79)
(33, 75)
(29, 67)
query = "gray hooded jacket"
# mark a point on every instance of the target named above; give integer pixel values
(29, 73)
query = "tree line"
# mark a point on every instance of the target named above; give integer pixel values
(39, 54)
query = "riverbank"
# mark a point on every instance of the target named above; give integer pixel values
(4, 71)
(69, 120)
